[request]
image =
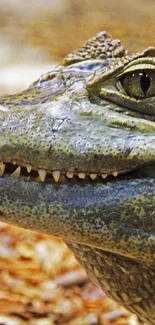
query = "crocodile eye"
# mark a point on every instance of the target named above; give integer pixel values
(138, 84)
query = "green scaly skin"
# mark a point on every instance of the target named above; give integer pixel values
(76, 119)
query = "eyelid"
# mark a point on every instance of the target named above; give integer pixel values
(135, 68)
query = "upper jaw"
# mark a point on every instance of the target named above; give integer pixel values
(86, 141)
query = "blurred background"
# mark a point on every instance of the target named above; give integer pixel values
(40, 281)
(37, 34)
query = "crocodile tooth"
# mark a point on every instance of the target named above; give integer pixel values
(42, 174)
(29, 168)
(16, 173)
(81, 175)
(104, 176)
(56, 175)
(93, 176)
(14, 162)
(69, 174)
(2, 168)
(115, 174)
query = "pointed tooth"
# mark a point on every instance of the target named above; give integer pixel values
(115, 174)
(93, 176)
(69, 174)
(56, 175)
(14, 162)
(104, 176)
(29, 168)
(81, 175)
(2, 168)
(16, 173)
(42, 174)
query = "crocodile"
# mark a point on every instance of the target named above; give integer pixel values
(77, 160)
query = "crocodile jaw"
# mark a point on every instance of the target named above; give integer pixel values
(93, 215)
(59, 126)
(88, 138)
(79, 136)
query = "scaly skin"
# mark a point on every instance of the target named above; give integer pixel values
(80, 120)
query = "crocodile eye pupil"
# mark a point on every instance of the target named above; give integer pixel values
(139, 84)
(145, 82)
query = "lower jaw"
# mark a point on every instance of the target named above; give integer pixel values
(86, 212)
(72, 189)
(143, 176)
(78, 192)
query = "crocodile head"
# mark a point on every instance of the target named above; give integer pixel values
(77, 160)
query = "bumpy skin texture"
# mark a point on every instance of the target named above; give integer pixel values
(76, 119)
(122, 278)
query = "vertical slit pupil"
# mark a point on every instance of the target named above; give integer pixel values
(145, 82)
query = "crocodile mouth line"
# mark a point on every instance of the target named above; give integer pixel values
(31, 173)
